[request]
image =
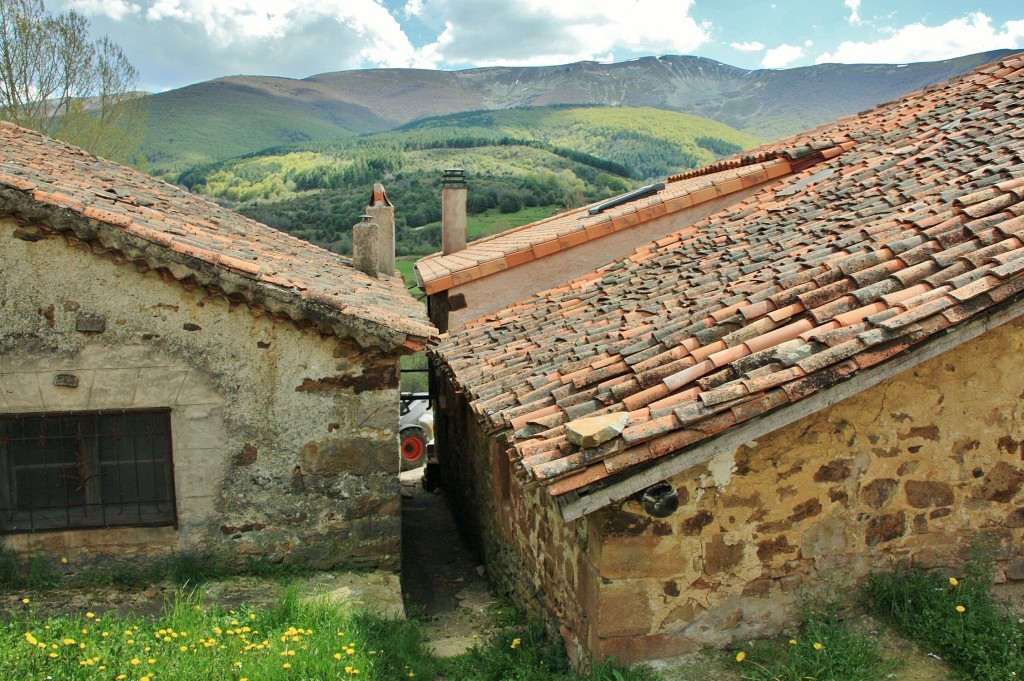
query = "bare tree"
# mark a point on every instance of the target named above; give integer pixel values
(55, 79)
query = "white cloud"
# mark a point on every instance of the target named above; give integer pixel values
(752, 46)
(782, 56)
(854, 6)
(117, 10)
(413, 8)
(918, 42)
(536, 32)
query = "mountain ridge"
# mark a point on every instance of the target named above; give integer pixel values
(234, 115)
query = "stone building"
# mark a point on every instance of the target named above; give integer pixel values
(815, 380)
(174, 376)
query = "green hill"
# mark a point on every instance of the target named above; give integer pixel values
(230, 117)
(650, 143)
(547, 157)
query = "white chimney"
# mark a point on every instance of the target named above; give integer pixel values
(453, 211)
(366, 246)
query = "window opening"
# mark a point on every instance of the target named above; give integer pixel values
(86, 469)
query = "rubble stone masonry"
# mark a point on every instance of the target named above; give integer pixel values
(913, 471)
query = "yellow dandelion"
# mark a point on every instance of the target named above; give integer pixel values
(26, 601)
(105, 634)
(121, 677)
(54, 655)
(90, 615)
(740, 656)
(238, 663)
(792, 641)
(135, 661)
(64, 559)
(183, 648)
(954, 581)
(287, 665)
(818, 646)
(68, 641)
(411, 675)
(31, 639)
(961, 608)
(337, 656)
(151, 661)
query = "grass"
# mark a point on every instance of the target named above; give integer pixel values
(296, 638)
(181, 567)
(826, 648)
(955, 617)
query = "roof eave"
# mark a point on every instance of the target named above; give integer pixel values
(303, 310)
(575, 505)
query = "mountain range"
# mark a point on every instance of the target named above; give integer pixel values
(236, 115)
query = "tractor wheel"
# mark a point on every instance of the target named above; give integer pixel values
(414, 448)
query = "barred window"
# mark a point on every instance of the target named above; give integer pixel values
(86, 469)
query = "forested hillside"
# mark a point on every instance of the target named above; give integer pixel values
(548, 157)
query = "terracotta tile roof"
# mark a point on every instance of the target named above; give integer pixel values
(159, 226)
(566, 230)
(916, 229)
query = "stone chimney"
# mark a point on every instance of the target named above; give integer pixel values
(453, 211)
(383, 213)
(366, 246)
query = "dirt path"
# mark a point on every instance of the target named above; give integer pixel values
(442, 579)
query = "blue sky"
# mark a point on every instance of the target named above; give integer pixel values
(179, 42)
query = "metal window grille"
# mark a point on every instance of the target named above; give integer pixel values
(86, 469)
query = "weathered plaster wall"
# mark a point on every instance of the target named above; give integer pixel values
(913, 470)
(285, 441)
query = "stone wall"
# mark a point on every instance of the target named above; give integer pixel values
(914, 470)
(285, 441)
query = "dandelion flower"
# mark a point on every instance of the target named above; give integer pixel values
(31, 639)
(954, 581)
(64, 560)
(90, 615)
(740, 656)
(134, 660)
(26, 601)
(818, 646)
(961, 608)
(792, 641)
(287, 665)
(337, 656)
